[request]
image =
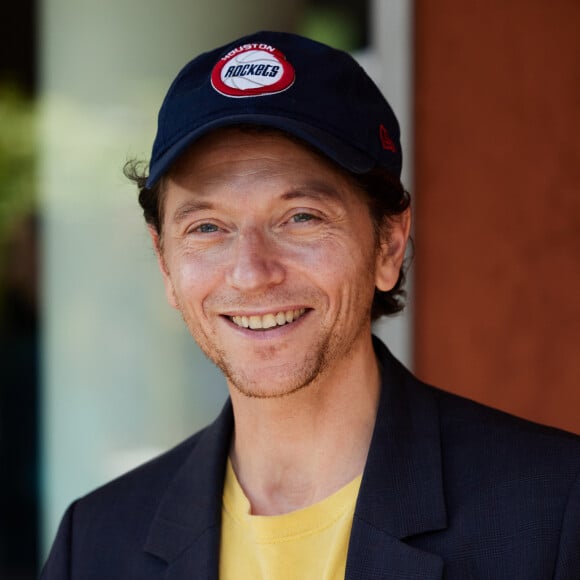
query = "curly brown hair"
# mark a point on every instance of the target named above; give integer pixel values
(384, 193)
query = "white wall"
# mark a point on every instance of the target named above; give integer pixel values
(390, 62)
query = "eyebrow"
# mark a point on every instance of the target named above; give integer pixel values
(187, 208)
(310, 190)
(313, 190)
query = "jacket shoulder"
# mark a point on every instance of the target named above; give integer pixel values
(102, 534)
(127, 504)
(461, 415)
(149, 479)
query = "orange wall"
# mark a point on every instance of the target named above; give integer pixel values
(497, 203)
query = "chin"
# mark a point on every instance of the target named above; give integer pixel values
(282, 383)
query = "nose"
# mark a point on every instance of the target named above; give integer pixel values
(256, 262)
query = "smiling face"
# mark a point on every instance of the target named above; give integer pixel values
(269, 253)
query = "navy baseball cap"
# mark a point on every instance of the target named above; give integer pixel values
(288, 82)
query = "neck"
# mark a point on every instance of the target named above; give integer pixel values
(292, 451)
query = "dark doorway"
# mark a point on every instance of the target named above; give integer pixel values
(18, 304)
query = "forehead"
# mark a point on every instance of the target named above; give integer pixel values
(224, 152)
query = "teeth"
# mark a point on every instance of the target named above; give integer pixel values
(269, 320)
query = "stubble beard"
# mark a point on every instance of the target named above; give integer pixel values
(289, 380)
(303, 374)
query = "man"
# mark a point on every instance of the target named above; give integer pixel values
(279, 221)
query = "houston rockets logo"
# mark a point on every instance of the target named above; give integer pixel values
(252, 70)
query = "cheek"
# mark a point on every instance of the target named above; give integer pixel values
(334, 250)
(345, 270)
(192, 279)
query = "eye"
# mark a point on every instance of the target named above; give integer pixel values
(206, 228)
(302, 217)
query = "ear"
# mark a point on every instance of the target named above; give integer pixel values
(391, 253)
(169, 290)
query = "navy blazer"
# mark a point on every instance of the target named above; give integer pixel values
(451, 489)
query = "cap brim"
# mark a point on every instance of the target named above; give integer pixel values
(347, 156)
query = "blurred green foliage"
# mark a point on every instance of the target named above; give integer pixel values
(333, 25)
(18, 158)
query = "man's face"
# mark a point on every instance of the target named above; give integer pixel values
(268, 252)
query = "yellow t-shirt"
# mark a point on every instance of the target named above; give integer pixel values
(306, 544)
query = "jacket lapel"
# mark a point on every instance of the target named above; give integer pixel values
(185, 531)
(374, 555)
(401, 492)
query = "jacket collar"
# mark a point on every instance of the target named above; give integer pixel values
(401, 491)
(185, 531)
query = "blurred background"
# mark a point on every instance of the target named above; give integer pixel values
(98, 374)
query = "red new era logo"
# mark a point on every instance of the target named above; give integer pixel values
(386, 141)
